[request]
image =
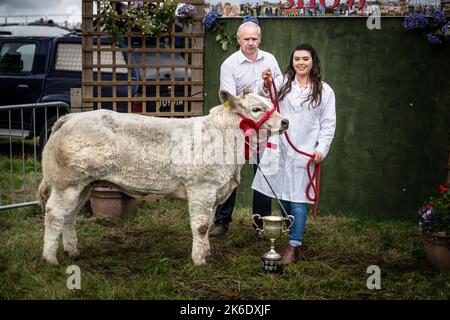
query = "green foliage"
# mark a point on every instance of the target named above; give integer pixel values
(223, 38)
(212, 23)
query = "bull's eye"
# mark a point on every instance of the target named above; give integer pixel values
(256, 110)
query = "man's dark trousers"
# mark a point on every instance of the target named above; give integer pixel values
(262, 205)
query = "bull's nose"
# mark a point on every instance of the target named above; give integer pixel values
(284, 124)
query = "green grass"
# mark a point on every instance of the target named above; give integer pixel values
(20, 178)
(148, 257)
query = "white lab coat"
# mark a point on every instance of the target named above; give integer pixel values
(310, 129)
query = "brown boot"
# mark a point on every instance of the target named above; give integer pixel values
(291, 255)
(217, 231)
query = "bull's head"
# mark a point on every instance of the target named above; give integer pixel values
(255, 107)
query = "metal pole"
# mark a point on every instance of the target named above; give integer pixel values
(19, 205)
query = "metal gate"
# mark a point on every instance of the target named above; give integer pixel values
(24, 130)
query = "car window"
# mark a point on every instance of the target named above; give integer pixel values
(164, 59)
(17, 57)
(27, 52)
(5, 48)
(68, 58)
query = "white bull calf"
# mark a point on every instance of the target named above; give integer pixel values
(134, 153)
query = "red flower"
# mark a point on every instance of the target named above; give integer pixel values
(429, 205)
(442, 189)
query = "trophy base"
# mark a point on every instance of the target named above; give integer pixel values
(271, 264)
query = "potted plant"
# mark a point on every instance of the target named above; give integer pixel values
(111, 204)
(434, 222)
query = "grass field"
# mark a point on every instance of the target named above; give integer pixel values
(148, 257)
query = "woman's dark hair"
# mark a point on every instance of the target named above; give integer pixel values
(315, 97)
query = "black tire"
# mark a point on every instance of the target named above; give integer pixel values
(45, 132)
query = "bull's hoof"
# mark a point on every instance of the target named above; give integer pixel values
(199, 262)
(51, 260)
(74, 253)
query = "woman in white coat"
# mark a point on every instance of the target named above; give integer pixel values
(309, 104)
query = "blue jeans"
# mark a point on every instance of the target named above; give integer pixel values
(298, 210)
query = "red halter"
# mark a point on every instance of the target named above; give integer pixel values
(250, 127)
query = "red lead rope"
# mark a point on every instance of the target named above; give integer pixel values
(314, 177)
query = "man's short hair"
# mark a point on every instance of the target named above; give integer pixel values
(245, 24)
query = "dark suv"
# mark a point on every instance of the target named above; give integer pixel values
(42, 69)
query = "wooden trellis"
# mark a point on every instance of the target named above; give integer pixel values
(158, 76)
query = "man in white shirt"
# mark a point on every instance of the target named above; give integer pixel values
(242, 70)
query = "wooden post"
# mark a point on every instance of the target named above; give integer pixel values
(75, 100)
(87, 56)
(197, 60)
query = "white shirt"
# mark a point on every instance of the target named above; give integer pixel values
(238, 72)
(310, 129)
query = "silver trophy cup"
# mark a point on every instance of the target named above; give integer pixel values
(273, 227)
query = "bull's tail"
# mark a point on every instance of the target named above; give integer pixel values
(61, 121)
(44, 193)
(45, 188)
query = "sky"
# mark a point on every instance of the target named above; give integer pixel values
(70, 9)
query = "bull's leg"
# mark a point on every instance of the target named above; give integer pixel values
(201, 210)
(69, 234)
(60, 206)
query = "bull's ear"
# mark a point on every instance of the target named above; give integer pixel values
(225, 96)
(247, 91)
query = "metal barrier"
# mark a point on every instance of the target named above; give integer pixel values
(20, 172)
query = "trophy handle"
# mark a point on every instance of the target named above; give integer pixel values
(255, 224)
(291, 219)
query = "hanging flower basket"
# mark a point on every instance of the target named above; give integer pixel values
(150, 19)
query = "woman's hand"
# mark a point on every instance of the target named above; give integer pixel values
(318, 156)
